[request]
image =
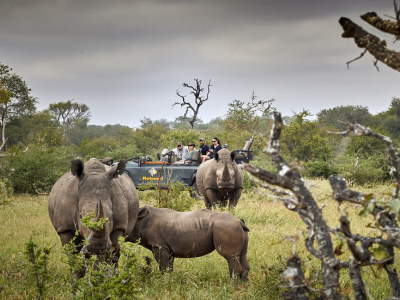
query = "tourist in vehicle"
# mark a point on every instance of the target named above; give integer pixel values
(204, 150)
(180, 152)
(192, 150)
(164, 155)
(215, 147)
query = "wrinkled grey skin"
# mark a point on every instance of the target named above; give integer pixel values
(94, 188)
(220, 179)
(169, 234)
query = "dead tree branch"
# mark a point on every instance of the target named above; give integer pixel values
(198, 100)
(376, 47)
(307, 207)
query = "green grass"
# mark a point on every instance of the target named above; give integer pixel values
(206, 277)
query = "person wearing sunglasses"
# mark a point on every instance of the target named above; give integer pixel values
(215, 147)
(180, 152)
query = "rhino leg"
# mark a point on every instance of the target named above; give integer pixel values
(243, 260)
(234, 198)
(211, 198)
(164, 259)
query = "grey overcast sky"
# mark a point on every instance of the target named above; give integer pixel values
(126, 59)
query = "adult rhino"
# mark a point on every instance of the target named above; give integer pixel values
(94, 188)
(220, 179)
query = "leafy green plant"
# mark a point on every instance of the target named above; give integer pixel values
(38, 259)
(248, 184)
(176, 196)
(37, 170)
(6, 193)
(319, 168)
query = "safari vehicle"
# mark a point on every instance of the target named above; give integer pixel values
(143, 170)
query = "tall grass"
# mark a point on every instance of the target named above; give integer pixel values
(205, 277)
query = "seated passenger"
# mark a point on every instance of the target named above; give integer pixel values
(191, 150)
(164, 155)
(180, 152)
(204, 149)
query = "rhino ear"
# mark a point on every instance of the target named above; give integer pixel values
(116, 170)
(233, 155)
(216, 156)
(143, 212)
(77, 168)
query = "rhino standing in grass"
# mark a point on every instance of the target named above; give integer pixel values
(169, 234)
(99, 191)
(220, 180)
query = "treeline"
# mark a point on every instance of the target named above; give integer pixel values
(37, 146)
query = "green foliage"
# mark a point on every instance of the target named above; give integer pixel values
(175, 196)
(124, 152)
(88, 222)
(38, 260)
(169, 139)
(370, 171)
(72, 117)
(37, 170)
(149, 138)
(348, 113)
(248, 184)
(97, 147)
(6, 193)
(319, 168)
(15, 99)
(249, 116)
(304, 140)
(38, 128)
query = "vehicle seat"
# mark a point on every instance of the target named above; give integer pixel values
(241, 154)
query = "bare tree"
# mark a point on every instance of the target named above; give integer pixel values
(365, 251)
(376, 47)
(198, 100)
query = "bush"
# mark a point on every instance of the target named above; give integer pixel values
(176, 197)
(37, 170)
(370, 171)
(319, 168)
(248, 184)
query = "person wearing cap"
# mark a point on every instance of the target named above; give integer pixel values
(180, 152)
(204, 150)
(191, 150)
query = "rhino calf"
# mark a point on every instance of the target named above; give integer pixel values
(169, 234)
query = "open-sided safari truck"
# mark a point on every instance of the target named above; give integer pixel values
(143, 170)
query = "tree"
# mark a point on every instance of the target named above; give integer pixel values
(371, 43)
(198, 101)
(304, 140)
(73, 118)
(247, 116)
(352, 113)
(15, 99)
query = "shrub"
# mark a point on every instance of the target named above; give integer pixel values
(176, 196)
(248, 184)
(319, 168)
(37, 170)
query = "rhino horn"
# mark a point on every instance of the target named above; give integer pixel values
(99, 211)
(225, 173)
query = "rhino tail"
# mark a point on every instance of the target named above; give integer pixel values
(245, 228)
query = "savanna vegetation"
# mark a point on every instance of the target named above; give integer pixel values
(37, 147)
